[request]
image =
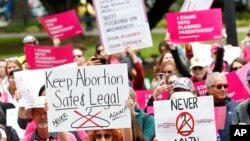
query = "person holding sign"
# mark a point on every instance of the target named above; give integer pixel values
(242, 111)
(216, 84)
(39, 114)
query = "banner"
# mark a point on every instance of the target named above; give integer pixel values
(196, 5)
(185, 119)
(39, 57)
(188, 27)
(122, 23)
(87, 98)
(62, 25)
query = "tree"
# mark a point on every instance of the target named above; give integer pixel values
(21, 12)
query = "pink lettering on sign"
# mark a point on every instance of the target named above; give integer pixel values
(144, 95)
(39, 57)
(63, 25)
(194, 26)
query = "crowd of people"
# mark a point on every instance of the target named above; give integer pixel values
(175, 72)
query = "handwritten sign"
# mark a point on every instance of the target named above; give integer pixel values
(185, 119)
(196, 5)
(59, 26)
(87, 98)
(39, 57)
(193, 26)
(11, 115)
(142, 97)
(122, 23)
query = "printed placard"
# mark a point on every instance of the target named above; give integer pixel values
(39, 57)
(201, 88)
(185, 119)
(87, 98)
(62, 25)
(195, 5)
(188, 27)
(122, 23)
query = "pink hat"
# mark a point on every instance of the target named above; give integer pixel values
(214, 48)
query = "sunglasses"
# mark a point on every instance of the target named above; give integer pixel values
(236, 68)
(225, 86)
(77, 56)
(106, 136)
(197, 68)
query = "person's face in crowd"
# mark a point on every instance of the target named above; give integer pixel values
(168, 57)
(168, 69)
(218, 89)
(12, 83)
(11, 66)
(78, 57)
(103, 135)
(236, 66)
(100, 52)
(40, 117)
(171, 81)
(163, 49)
(199, 72)
(2, 69)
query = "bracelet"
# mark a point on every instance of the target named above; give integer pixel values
(3, 133)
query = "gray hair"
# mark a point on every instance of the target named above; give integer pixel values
(210, 79)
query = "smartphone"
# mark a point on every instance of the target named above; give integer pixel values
(103, 61)
(161, 76)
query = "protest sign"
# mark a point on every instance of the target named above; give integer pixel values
(87, 98)
(11, 120)
(29, 82)
(188, 27)
(62, 25)
(185, 119)
(201, 88)
(122, 23)
(142, 97)
(220, 116)
(196, 5)
(39, 57)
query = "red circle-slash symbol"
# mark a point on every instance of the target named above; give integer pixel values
(185, 124)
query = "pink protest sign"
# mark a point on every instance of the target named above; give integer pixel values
(39, 57)
(194, 26)
(201, 88)
(144, 95)
(150, 110)
(220, 116)
(63, 25)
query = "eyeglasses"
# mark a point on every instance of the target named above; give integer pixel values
(197, 68)
(225, 86)
(77, 56)
(106, 136)
(236, 68)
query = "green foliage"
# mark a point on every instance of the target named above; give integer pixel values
(33, 27)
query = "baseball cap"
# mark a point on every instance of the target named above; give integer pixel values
(197, 61)
(30, 39)
(184, 83)
(39, 102)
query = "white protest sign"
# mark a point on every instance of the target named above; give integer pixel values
(204, 51)
(122, 23)
(87, 98)
(195, 5)
(29, 82)
(11, 119)
(185, 119)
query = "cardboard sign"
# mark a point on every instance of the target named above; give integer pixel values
(39, 57)
(196, 5)
(188, 27)
(87, 98)
(220, 116)
(185, 119)
(62, 25)
(142, 97)
(11, 119)
(122, 24)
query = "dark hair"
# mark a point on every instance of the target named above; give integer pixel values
(12, 72)
(239, 60)
(41, 90)
(163, 43)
